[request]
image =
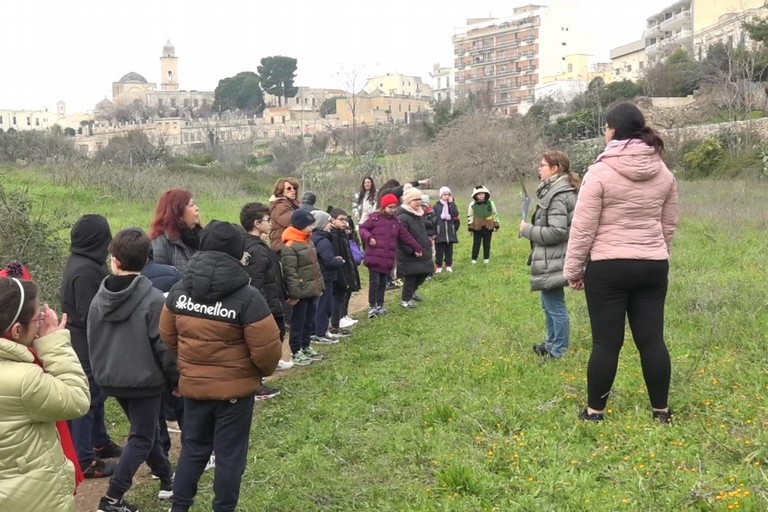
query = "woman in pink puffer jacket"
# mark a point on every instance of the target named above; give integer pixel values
(618, 252)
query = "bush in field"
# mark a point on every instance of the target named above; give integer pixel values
(133, 149)
(701, 160)
(33, 240)
(36, 146)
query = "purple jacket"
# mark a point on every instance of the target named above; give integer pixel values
(386, 230)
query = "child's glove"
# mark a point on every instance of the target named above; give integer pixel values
(495, 226)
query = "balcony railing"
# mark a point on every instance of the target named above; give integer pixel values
(676, 21)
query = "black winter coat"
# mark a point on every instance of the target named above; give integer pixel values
(266, 275)
(85, 270)
(326, 256)
(407, 262)
(446, 231)
(348, 277)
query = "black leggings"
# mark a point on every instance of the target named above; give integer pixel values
(484, 236)
(377, 287)
(635, 289)
(443, 251)
(411, 284)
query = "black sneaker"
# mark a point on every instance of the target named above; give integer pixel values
(539, 350)
(663, 417)
(107, 504)
(586, 416)
(166, 489)
(266, 392)
(99, 469)
(111, 450)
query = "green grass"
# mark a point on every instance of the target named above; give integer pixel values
(446, 408)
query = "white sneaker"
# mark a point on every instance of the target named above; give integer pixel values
(439, 269)
(474, 262)
(284, 365)
(448, 269)
(173, 426)
(347, 322)
(211, 463)
(486, 261)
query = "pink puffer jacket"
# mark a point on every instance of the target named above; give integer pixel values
(627, 208)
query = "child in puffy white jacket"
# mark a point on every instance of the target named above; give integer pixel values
(36, 474)
(482, 221)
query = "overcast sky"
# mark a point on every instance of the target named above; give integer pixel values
(73, 50)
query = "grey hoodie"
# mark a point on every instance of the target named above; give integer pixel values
(127, 356)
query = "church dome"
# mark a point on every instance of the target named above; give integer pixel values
(133, 77)
(169, 50)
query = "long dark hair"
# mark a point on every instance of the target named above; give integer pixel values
(168, 214)
(371, 194)
(628, 122)
(10, 296)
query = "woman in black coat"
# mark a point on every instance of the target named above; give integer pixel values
(412, 268)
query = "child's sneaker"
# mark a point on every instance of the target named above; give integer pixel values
(284, 365)
(99, 469)
(107, 504)
(313, 354)
(382, 311)
(111, 450)
(407, 304)
(338, 333)
(438, 269)
(373, 312)
(166, 489)
(474, 262)
(417, 297)
(325, 340)
(486, 261)
(347, 322)
(448, 269)
(300, 359)
(266, 392)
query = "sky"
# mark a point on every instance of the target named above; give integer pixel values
(73, 50)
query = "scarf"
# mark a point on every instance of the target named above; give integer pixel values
(445, 214)
(408, 208)
(191, 237)
(545, 185)
(65, 437)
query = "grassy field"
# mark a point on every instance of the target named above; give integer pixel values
(446, 408)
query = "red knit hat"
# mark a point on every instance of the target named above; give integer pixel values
(389, 199)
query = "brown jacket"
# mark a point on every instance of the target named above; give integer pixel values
(221, 329)
(280, 211)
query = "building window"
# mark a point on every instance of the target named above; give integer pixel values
(14, 119)
(186, 102)
(29, 121)
(1, 119)
(37, 121)
(570, 68)
(159, 103)
(173, 102)
(205, 102)
(563, 43)
(640, 64)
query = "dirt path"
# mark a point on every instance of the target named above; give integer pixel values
(90, 491)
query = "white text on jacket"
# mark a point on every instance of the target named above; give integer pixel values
(185, 303)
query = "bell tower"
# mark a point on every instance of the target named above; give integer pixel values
(169, 68)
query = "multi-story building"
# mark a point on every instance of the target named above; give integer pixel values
(21, 120)
(396, 84)
(307, 99)
(504, 59)
(377, 107)
(627, 62)
(442, 88)
(669, 29)
(721, 21)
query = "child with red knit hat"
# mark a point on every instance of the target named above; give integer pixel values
(381, 232)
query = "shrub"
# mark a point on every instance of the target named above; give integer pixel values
(702, 159)
(27, 237)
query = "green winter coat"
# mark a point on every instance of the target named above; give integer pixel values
(301, 271)
(549, 233)
(34, 473)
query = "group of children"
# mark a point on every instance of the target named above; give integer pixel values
(219, 329)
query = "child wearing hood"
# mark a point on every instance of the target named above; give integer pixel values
(131, 362)
(446, 230)
(483, 221)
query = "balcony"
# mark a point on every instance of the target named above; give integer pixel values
(682, 37)
(679, 20)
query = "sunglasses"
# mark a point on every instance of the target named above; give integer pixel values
(288, 187)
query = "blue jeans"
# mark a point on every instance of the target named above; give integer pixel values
(302, 320)
(558, 325)
(223, 426)
(324, 310)
(90, 430)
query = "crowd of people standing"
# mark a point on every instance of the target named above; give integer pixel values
(182, 324)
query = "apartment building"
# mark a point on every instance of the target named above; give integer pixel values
(504, 59)
(721, 21)
(627, 62)
(442, 88)
(22, 120)
(669, 29)
(396, 84)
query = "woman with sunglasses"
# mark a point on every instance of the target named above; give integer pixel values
(36, 475)
(282, 204)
